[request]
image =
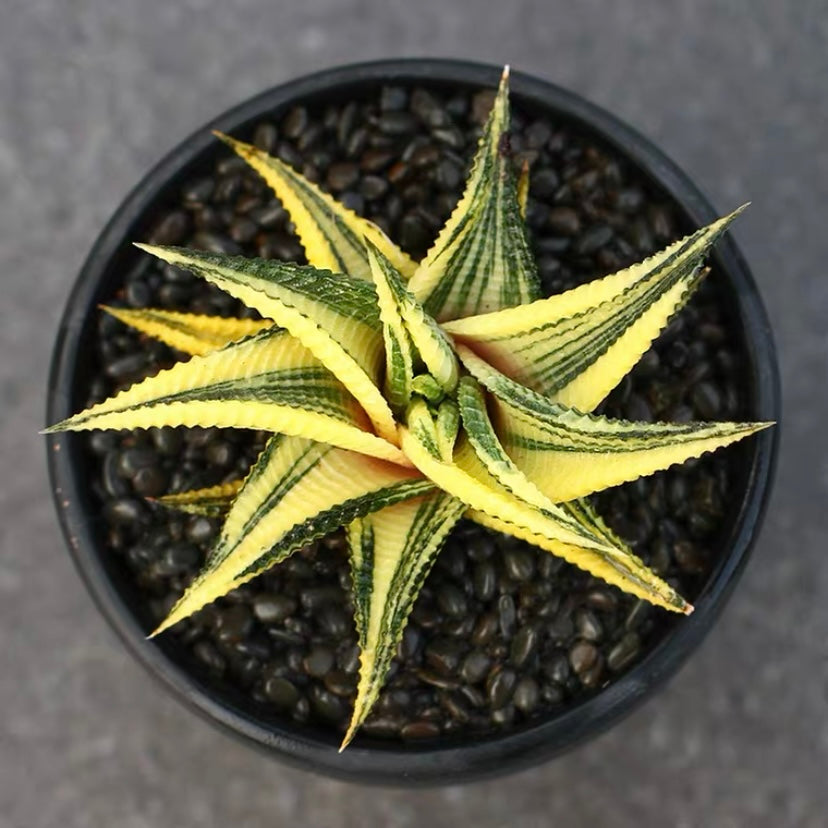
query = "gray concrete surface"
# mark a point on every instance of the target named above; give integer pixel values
(93, 91)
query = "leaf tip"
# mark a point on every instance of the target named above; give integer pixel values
(349, 735)
(246, 151)
(167, 254)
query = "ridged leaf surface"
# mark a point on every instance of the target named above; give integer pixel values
(212, 501)
(297, 491)
(191, 333)
(269, 381)
(391, 552)
(481, 260)
(577, 346)
(334, 316)
(331, 234)
(568, 454)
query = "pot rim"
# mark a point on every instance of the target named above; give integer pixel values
(375, 761)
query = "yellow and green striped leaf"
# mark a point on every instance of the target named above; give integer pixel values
(481, 260)
(331, 234)
(188, 332)
(523, 189)
(568, 455)
(483, 438)
(399, 350)
(333, 315)
(212, 501)
(298, 490)
(614, 563)
(428, 339)
(466, 478)
(577, 346)
(269, 381)
(392, 551)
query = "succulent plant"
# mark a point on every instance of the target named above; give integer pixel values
(403, 396)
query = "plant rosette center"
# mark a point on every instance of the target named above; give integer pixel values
(403, 396)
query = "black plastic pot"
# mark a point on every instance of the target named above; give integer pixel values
(371, 761)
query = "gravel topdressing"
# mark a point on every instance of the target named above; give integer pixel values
(502, 633)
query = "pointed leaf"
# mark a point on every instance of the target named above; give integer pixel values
(523, 189)
(577, 346)
(332, 315)
(447, 426)
(297, 491)
(392, 551)
(425, 386)
(614, 564)
(188, 332)
(269, 382)
(467, 479)
(399, 351)
(569, 455)
(212, 501)
(481, 260)
(428, 339)
(330, 233)
(484, 440)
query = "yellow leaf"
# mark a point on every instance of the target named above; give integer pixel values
(577, 346)
(481, 260)
(333, 316)
(211, 501)
(269, 382)
(392, 551)
(331, 234)
(568, 454)
(188, 332)
(297, 491)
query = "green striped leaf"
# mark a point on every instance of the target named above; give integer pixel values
(447, 426)
(392, 551)
(576, 347)
(269, 381)
(523, 189)
(213, 501)
(425, 386)
(188, 332)
(481, 434)
(481, 260)
(467, 479)
(420, 422)
(568, 455)
(331, 234)
(399, 350)
(297, 491)
(614, 563)
(428, 339)
(334, 316)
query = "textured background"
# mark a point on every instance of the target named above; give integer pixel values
(94, 91)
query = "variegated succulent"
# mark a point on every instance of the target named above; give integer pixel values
(404, 396)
